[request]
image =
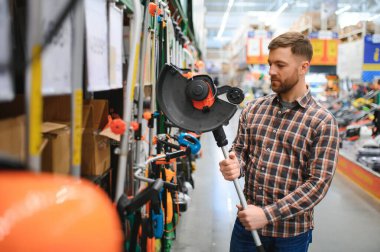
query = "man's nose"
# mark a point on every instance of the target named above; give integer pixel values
(272, 71)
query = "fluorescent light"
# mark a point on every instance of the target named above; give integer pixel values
(344, 9)
(281, 9)
(225, 18)
(373, 17)
(277, 13)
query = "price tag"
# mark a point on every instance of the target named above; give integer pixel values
(376, 38)
(115, 49)
(97, 45)
(6, 87)
(56, 58)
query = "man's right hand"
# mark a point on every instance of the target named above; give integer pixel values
(230, 168)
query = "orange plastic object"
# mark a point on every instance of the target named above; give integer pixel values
(153, 8)
(207, 102)
(46, 212)
(117, 126)
(151, 244)
(163, 161)
(169, 174)
(147, 115)
(154, 140)
(199, 64)
(194, 134)
(188, 75)
(135, 126)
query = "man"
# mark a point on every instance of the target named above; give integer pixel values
(286, 148)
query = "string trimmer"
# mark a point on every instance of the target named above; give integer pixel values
(193, 104)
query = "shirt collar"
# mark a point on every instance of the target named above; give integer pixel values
(302, 101)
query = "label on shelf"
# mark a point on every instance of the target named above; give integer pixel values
(35, 106)
(325, 35)
(77, 134)
(350, 59)
(6, 86)
(57, 56)
(371, 61)
(376, 38)
(257, 47)
(115, 48)
(371, 51)
(325, 52)
(97, 45)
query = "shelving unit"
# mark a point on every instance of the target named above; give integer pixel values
(67, 98)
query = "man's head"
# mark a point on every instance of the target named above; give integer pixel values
(289, 59)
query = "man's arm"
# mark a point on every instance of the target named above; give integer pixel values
(323, 158)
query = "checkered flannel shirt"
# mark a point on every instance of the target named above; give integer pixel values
(288, 158)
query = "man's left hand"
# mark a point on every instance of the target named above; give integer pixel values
(252, 218)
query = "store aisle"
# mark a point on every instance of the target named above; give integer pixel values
(346, 220)
(208, 222)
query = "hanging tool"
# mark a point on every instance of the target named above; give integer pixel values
(193, 104)
(126, 206)
(127, 92)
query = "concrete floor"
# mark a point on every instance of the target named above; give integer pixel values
(346, 220)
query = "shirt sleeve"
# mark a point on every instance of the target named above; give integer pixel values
(239, 145)
(322, 164)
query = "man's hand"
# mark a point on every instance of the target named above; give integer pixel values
(252, 218)
(230, 168)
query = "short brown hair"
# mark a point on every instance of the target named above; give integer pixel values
(299, 44)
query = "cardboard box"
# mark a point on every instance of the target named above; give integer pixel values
(12, 138)
(55, 155)
(95, 148)
(313, 18)
(57, 109)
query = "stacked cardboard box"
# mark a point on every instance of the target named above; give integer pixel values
(312, 19)
(55, 150)
(12, 129)
(95, 148)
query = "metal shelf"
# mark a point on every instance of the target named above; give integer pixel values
(128, 4)
(178, 5)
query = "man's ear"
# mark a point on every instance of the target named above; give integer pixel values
(304, 67)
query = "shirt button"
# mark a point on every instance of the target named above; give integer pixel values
(260, 188)
(262, 168)
(274, 131)
(279, 112)
(268, 149)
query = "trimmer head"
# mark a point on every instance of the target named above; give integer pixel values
(191, 103)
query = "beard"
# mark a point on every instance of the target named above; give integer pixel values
(281, 87)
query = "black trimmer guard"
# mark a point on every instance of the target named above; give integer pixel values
(178, 108)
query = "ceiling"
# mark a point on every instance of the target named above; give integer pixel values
(261, 11)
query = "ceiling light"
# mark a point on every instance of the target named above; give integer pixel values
(225, 18)
(344, 9)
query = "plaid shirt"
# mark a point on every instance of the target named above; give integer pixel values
(288, 159)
